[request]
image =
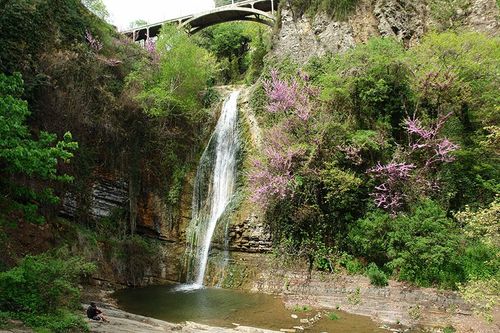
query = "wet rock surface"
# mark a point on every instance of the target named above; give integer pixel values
(250, 235)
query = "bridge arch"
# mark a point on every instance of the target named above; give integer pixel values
(261, 11)
(208, 19)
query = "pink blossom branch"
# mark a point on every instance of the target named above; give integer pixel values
(94, 43)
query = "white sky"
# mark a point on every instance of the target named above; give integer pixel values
(122, 12)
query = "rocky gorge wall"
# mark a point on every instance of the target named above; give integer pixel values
(301, 38)
(397, 303)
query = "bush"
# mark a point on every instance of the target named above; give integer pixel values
(60, 321)
(351, 264)
(377, 276)
(368, 237)
(425, 247)
(42, 290)
(481, 261)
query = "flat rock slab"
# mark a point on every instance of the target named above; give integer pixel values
(124, 322)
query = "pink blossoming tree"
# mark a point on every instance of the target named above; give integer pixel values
(420, 160)
(283, 152)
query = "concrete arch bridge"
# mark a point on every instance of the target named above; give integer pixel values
(261, 11)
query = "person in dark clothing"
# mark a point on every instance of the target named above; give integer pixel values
(94, 313)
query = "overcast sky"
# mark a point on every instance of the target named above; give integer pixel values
(122, 12)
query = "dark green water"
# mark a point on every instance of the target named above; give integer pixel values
(222, 307)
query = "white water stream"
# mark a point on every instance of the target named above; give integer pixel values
(213, 189)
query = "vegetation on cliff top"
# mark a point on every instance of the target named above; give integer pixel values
(384, 144)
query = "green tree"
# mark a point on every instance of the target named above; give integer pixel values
(24, 159)
(171, 87)
(229, 42)
(137, 23)
(97, 7)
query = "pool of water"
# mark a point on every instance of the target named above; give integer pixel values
(223, 308)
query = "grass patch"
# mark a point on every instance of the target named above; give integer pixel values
(333, 316)
(301, 308)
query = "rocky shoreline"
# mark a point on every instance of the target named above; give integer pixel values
(124, 322)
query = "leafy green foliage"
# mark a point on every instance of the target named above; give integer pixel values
(483, 294)
(97, 7)
(482, 262)
(448, 14)
(21, 154)
(171, 88)
(42, 290)
(376, 275)
(369, 237)
(30, 28)
(239, 48)
(339, 9)
(370, 96)
(229, 42)
(482, 224)
(137, 23)
(424, 247)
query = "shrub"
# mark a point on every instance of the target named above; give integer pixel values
(351, 264)
(483, 294)
(60, 321)
(425, 247)
(377, 276)
(368, 237)
(42, 290)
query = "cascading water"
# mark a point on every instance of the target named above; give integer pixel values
(213, 189)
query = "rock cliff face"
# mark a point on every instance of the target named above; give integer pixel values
(407, 20)
(397, 303)
(106, 196)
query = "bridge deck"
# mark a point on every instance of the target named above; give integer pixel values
(255, 10)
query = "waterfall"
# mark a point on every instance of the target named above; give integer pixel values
(213, 189)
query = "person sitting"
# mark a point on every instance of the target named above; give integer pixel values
(95, 314)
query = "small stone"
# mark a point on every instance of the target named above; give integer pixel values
(289, 330)
(304, 321)
(294, 316)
